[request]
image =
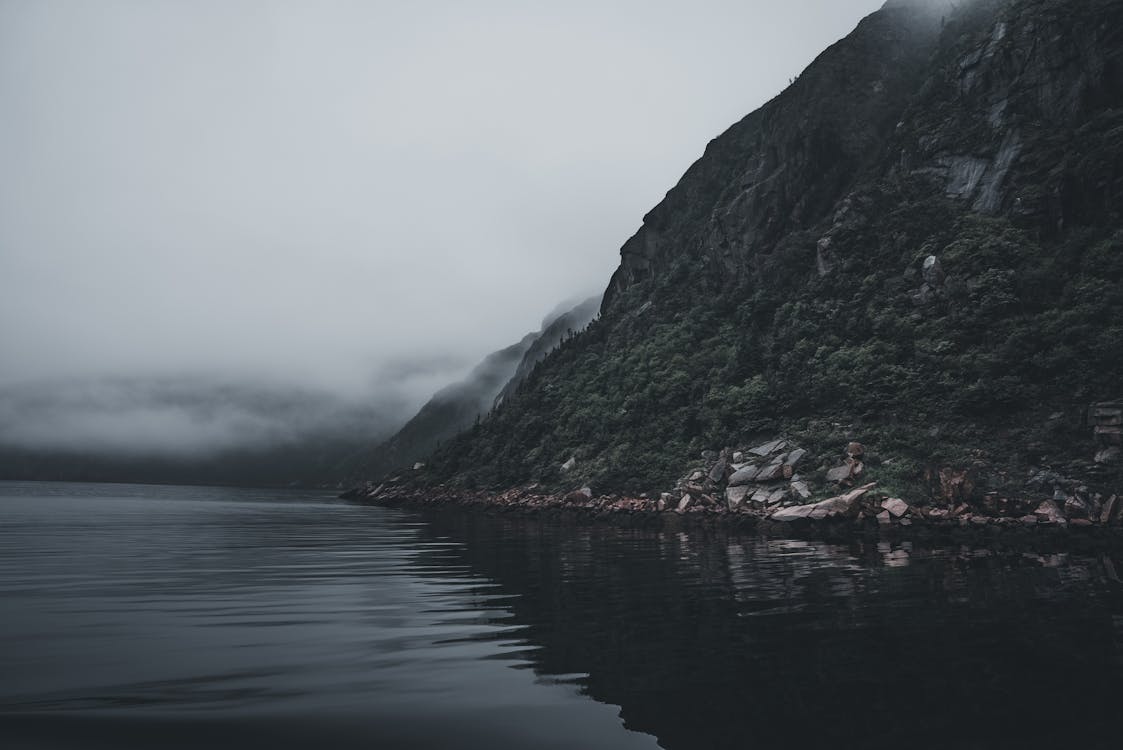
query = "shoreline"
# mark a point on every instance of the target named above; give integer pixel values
(770, 489)
(847, 517)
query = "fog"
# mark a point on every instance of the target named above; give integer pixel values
(351, 200)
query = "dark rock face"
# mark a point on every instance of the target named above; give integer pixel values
(1019, 77)
(786, 165)
(1000, 82)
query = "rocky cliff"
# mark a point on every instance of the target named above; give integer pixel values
(918, 245)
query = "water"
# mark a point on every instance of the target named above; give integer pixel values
(200, 617)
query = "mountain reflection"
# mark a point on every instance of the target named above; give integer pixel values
(705, 639)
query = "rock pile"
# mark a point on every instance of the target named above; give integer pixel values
(756, 478)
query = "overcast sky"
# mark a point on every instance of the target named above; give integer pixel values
(313, 192)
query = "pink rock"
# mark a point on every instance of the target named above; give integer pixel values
(896, 506)
(735, 496)
(1048, 512)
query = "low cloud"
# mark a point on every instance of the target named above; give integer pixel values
(186, 417)
(243, 222)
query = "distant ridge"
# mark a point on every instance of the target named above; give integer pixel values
(458, 406)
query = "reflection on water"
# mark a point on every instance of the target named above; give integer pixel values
(141, 615)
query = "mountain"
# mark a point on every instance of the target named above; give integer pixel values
(458, 406)
(918, 245)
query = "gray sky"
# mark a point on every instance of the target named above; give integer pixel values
(333, 193)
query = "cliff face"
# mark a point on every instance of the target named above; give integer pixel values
(918, 244)
(785, 166)
(918, 95)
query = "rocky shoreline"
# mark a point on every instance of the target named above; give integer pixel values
(761, 487)
(861, 511)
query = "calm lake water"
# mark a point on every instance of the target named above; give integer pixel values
(135, 616)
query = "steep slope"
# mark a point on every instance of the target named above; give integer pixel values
(918, 244)
(553, 333)
(458, 406)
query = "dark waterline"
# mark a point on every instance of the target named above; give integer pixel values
(137, 616)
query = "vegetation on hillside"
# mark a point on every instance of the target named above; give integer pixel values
(1017, 325)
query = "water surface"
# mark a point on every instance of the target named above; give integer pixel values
(141, 616)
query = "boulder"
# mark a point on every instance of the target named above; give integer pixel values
(896, 506)
(793, 458)
(735, 496)
(794, 513)
(761, 496)
(717, 473)
(832, 508)
(744, 476)
(1048, 512)
(771, 473)
(776, 496)
(696, 476)
(855, 450)
(570, 464)
(418, 466)
(838, 474)
(800, 488)
(738, 457)
(684, 503)
(1075, 508)
(836, 506)
(933, 272)
(768, 448)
